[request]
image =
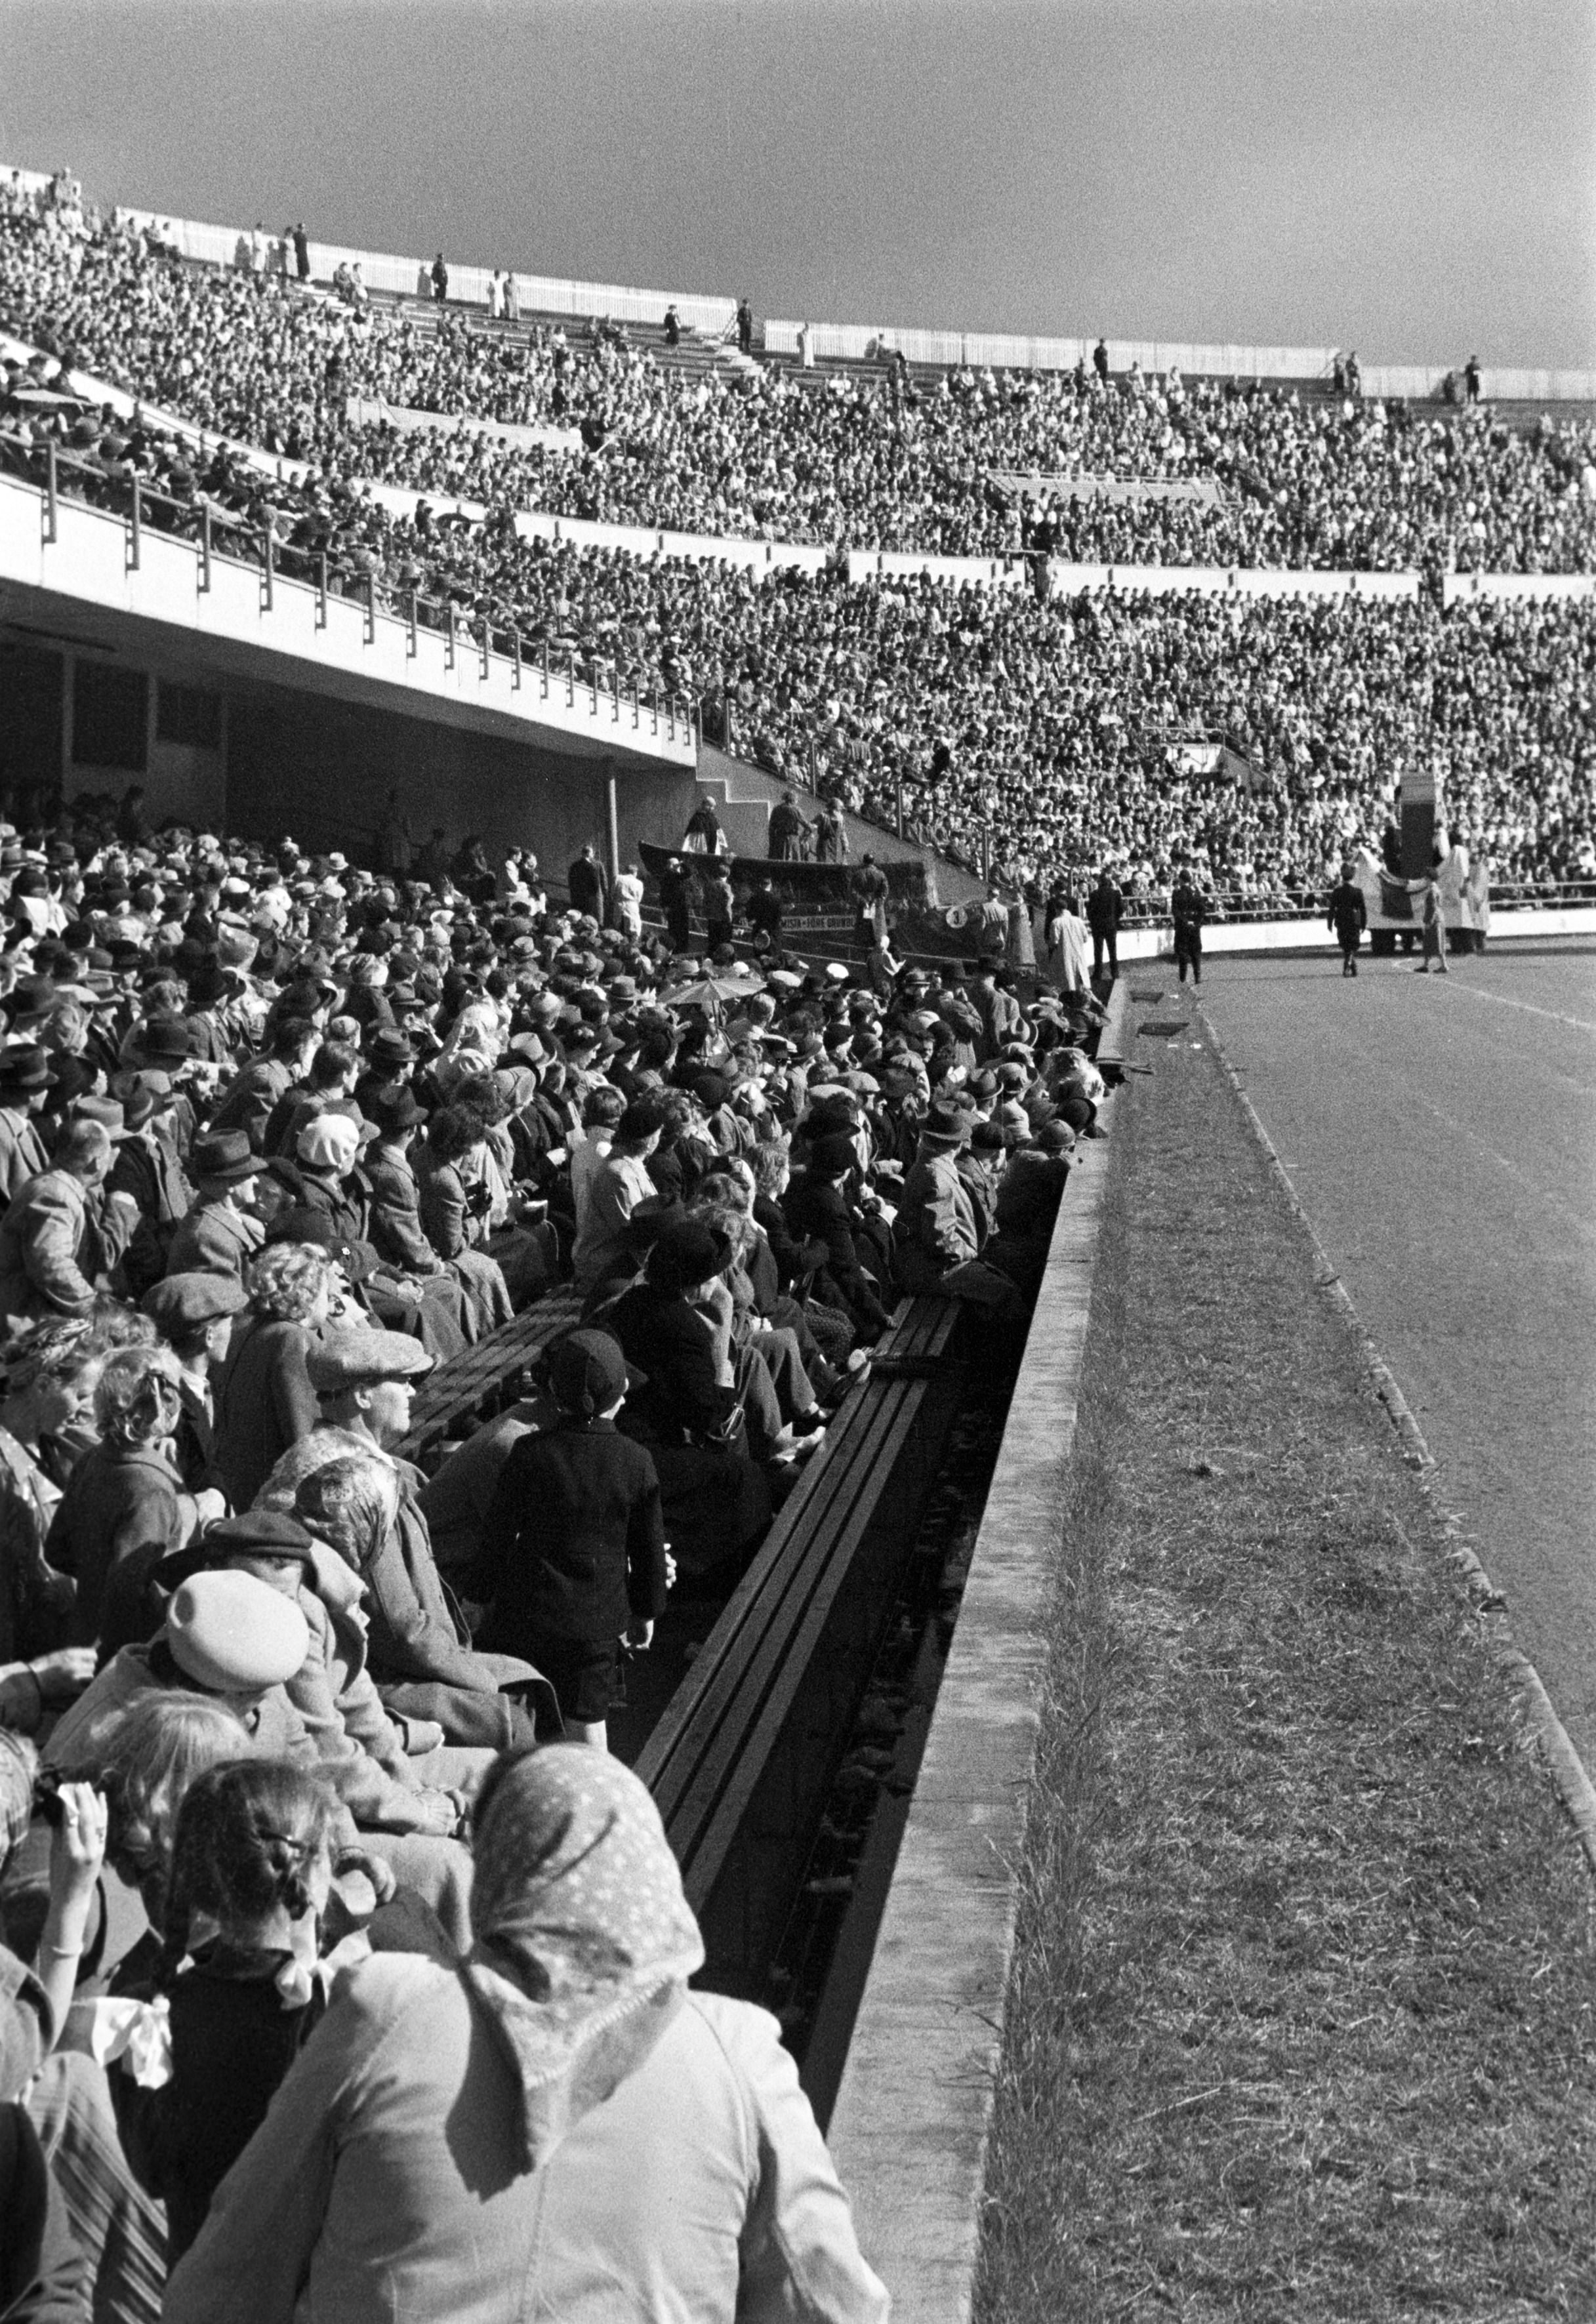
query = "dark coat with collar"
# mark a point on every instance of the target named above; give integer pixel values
(120, 1498)
(574, 1544)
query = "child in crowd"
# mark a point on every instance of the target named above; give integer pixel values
(251, 1870)
(574, 1551)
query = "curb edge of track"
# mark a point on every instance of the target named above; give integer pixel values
(1544, 1728)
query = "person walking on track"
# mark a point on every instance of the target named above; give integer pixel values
(1435, 934)
(1349, 917)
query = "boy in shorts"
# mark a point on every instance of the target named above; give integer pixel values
(574, 1551)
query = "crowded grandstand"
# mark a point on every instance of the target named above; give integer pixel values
(303, 1157)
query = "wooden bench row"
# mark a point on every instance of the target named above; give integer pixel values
(482, 1380)
(743, 1760)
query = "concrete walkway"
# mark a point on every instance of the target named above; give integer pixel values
(1442, 1137)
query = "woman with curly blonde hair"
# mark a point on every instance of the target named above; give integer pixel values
(264, 1401)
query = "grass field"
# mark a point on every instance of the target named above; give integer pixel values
(1303, 2022)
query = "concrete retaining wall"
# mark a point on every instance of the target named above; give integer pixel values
(910, 2127)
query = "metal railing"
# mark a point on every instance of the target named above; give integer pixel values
(215, 531)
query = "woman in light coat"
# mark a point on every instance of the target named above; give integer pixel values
(558, 2129)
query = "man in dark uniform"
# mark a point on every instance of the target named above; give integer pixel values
(1104, 909)
(1349, 917)
(1186, 911)
(589, 887)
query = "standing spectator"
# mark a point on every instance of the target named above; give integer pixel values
(806, 346)
(574, 1544)
(494, 305)
(676, 901)
(719, 908)
(673, 329)
(1105, 908)
(440, 279)
(1099, 360)
(1186, 911)
(1471, 380)
(1349, 917)
(703, 835)
(512, 298)
(302, 243)
(629, 903)
(745, 325)
(789, 830)
(588, 885)
(831, 834)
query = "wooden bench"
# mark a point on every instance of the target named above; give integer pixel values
(481, 1380)
(744, 1759)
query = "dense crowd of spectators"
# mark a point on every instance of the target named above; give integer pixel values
(868, 463)
(1050, 722)
(277, 1134)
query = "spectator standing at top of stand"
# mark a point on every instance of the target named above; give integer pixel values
(831, 834)
(676, 903)
(302, 243)
(1186, 909)
(673, 327)
(440, 279)
(745, 327)
(1099, 360)
(789, 830)
(703, 835)
(1105, 910)
(589, 888)
(1471, 379)
(629, 903)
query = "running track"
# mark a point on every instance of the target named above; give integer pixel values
(1441, 1135)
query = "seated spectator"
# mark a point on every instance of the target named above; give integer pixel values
(264, 1401)
(719, 2219)
(59, 1236)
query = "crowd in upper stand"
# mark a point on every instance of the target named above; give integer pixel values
(1048, 722)
(890, 464)
(277, 1134)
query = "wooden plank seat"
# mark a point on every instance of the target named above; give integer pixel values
(481, 1379)
(742, 1761)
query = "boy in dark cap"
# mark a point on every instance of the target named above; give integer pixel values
(574, 1551)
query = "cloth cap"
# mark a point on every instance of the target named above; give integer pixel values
(187, 1302)
(234, 1635)
(587, 1372)
(360, 1358)
(258, 1533)
(330, 1142)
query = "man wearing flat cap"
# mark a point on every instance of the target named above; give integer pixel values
(194, 1315)
(421, 1654)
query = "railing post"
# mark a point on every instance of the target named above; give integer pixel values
(135, 529)
(266, 568)
(570, 677)
(371, 609)
(205, 549)
(410, 644)
(654, 706)
(515, 665)
(321, 591)
(449, 656)
(52, 496)
(636, 705)
(898, 787)
(485, 647)
(615, 691)
(545, 669)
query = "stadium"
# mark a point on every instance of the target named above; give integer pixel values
(787, 1533)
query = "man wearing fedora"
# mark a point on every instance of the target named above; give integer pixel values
(219, 1235)
(25, 1077)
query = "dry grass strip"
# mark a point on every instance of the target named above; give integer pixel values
(1303, 2020)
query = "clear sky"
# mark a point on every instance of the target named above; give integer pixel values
(1415, 178)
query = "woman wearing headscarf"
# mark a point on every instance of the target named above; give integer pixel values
(561, 2129)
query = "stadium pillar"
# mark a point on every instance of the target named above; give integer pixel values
(614, 821)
